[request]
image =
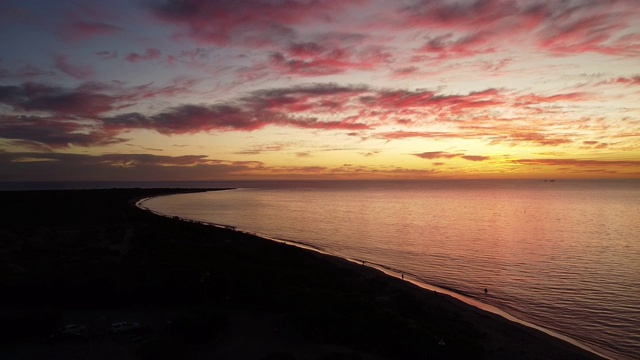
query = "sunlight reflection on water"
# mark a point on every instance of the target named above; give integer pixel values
(564, 255)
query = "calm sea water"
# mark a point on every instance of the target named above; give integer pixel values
(564, 255)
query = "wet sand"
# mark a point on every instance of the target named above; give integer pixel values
(91, 257)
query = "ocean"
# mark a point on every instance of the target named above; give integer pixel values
(563, 255)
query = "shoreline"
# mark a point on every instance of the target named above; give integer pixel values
(94, 258)
(398, 274)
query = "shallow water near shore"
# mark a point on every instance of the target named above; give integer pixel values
(564, 255)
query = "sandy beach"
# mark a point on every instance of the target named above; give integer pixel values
(92, 258)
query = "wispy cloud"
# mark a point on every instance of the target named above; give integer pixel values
(323, 106)
(378, 81)
(579, 162)
(64, 167)
(149, 54)
(432, 155)
(220, 22)
(86, 100)
(80, 72)
(84, 30)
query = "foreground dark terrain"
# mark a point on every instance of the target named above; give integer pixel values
(189, 291)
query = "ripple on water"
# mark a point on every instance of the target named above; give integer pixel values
(562, 255)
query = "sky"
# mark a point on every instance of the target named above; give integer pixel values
(130, 90)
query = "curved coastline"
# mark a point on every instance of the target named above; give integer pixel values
(399, 274)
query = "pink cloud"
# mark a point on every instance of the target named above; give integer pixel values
(446, 46)
(91, 100)
(81, 72)
(219, 21)
(589, 27)
(562, 27)
(533, 99)
(470, 14)
(630, 81)
(320, 59)
(353, 109)
(428, 103)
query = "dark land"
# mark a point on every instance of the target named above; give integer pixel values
(92, 258)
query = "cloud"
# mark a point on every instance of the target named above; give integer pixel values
(190, 119)
(327, 97)
(84, 30)
(308, 67)
(422, 106)
(403, 72)
(589, 26)
(107, 55)
(150, 54)
(470, 14)
(431, 155)
(119, 167)
(436, 155)
(448, 46)
(85, 100)
(518, 138)
(327, 57)
(559, 27)
(25, 72)
(629, 81)
(222, 21)
(43, 133)
(81, 72)
(475, 157)
(579, 162)
(403, 99)
(75, 111)
(140, 167)
(534, 99)
(355, 109)
(259, 149)
(401, 134)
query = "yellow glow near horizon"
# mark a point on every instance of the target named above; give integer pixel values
(327, 90)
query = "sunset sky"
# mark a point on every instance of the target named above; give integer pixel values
(313, 89)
